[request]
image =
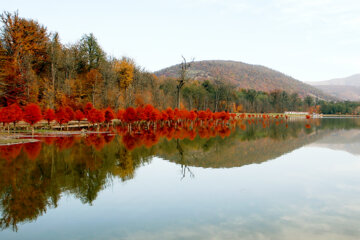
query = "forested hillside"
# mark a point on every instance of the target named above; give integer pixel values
(246, 76)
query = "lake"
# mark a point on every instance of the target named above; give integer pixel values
(251, 180)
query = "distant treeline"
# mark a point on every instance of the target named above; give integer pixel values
(36, 68)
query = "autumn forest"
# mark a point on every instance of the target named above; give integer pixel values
(37, 68)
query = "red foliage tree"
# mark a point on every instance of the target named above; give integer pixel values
(120, 114)
(16, 113)
(61, 117)
(96, 116)
(32, 114)
(170, 113)
(49, 115)
(2, 116)
(129, 115)
(79, 115)
(69, 113)
(148, 110)
(109, 115)
(88, 108)
(6, 116)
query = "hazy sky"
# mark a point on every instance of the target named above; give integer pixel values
(310, 40)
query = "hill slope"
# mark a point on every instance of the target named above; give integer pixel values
(245, 76)
(347, 88)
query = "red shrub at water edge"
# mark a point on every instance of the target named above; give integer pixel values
(15, 112)
(109, 115)
(49, 115)
(148, 110)
(170, 113)
(129, 115)
(79, 115)
(155, 115)
(70, 115)
(164, 116)
(61, 116)
(87, 108)
(2, 116)
(96, 116)
(32, 113)
(120, 114)
(192, 115)
(5, 116)
(307, 116)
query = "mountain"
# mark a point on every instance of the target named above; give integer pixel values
(347, 88)
(245, 76)
(344, 140)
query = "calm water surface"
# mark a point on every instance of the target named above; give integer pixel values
(284, 180)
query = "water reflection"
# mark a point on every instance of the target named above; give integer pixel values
(35, 176)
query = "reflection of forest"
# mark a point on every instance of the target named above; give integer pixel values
(35, 175)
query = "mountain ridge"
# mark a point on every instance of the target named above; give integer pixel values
(347, 88)
(245, 76)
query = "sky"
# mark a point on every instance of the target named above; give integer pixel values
(310, 40)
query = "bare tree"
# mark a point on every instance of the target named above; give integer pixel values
(183, 78)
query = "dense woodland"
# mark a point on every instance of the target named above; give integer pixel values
(35, 67)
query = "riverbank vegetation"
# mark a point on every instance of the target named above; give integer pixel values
(35, 67)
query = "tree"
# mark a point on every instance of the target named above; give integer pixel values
(32, 114)
(309, 101)
(109, 115)
(25, 43)
(79, 115)
(56, 55)
(91, 53)
(93, 79)
(49, 115)
(16, 113)
(124, 70)
(96, 116)
(183, 78)
(61, 117)
(250, 95)
(87, 108)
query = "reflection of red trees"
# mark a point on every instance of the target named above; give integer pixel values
(32, 150)
(10, 152)
(63, 143)
(96, 140)
(48, 140)
(129, 141)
